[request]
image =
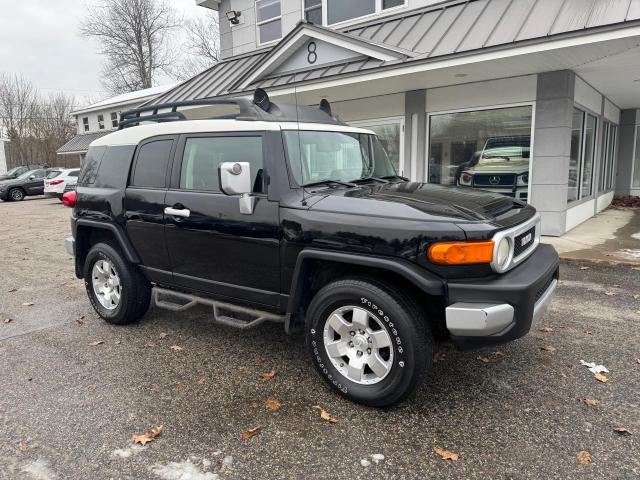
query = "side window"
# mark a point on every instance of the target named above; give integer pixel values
(203, 156)
(91, 164)
(73, 173)
(101, 122)
(39, 174)
(151, 164)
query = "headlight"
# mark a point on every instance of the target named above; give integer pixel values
(466, 179)
(503, 253)
(523, 179)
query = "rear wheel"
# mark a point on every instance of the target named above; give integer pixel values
(368, 340)
(16, 195)
(119, 293)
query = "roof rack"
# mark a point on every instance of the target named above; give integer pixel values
(260, 108)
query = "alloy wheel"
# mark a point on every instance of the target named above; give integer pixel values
(106, 284)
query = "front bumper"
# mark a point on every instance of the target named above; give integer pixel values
(486, 312)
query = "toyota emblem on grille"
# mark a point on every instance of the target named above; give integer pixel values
(494, 180)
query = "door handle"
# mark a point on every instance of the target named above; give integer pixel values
(175, 212)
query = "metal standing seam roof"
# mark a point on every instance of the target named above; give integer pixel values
(80, 143)
(448, 28)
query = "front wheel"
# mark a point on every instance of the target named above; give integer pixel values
(118, 291)
(368, 340)
(16, 194)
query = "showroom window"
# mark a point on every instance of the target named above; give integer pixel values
(390, 132)
(485, 149)
(342, 11)
(608, 156)
(583, 146)
(268, 20)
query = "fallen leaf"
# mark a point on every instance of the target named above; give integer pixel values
(255, 404)
(163, 334)
(547, 330)
(439, 356)
(145, 438)
(8, 320)
(622, 431)
(24, 448)
(601, 378)
(591, 402)
(176, 348)
(498, 354)
(250, 433)
(588, 332)
(79, 321)
(446, 454)
(637, 296)
(483, 359)
(610, 294)
(584, 268)
(638, 360)
(324, 415)
(548, 348)
(149, 345)
(273, 405)
(28, 304)
(118, 342)
(201, 381)
(268, 375)
(13, 290)
(584, 457)
(96, 343)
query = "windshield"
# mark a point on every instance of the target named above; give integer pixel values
(342, 156)
(14, 171)
(505, 149)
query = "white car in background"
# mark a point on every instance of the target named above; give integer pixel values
(58, 179)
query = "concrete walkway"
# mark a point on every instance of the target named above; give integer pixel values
(611, 236)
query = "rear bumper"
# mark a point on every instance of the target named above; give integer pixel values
(499, 310)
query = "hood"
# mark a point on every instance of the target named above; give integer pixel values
(420, 202)
(516, 167)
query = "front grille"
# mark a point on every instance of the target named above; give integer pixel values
(544, 288)
(497, 180)
(518, 247)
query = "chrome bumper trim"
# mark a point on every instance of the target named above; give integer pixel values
(70, 246)
(541, 305)
(478, 319)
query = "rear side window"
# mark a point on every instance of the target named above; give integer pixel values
(203, 156)
(73, 173)
(115, 166)
(53, 174)
(91, 165)
(151, 164)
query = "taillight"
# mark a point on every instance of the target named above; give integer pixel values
(69, 199)
(56, 182)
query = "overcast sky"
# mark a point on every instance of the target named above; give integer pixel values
(40, 39)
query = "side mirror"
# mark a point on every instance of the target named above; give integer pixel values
(235, 179)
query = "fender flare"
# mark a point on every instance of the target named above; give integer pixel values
(123, 242)
(421, 278)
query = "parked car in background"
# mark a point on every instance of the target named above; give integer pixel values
(502, 167)
(58, 179)
(27, 184)
(17, 171)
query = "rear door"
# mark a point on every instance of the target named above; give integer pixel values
(213, 247)
(144, 204)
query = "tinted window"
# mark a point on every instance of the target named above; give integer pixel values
(114, 168)
(38, 173)
(91, 165)
(53, 174)
(151, 165)
(203, 156)
(73, 173)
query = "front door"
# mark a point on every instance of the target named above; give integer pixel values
(212, 246)
(34, 185)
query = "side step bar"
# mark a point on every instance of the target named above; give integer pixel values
(178, 301)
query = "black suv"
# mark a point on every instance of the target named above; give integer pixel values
(28, 183)
(284, 213)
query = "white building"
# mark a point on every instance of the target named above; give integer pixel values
(102, 118)
(539, 99)
(3, 155)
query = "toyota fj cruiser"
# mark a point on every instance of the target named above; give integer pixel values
(284, 213)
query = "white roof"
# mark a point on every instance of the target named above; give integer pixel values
(132, 97)
(134, 135)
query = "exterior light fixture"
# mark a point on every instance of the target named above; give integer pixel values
(234, 17)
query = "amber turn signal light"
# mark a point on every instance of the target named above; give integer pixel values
(461, 253)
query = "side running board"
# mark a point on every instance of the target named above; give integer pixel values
(178, 301)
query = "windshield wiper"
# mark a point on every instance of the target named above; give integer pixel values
(365, 179)
(390, 177)
(329, 183)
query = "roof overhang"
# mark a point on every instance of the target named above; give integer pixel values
(306, 32)
(212, 4)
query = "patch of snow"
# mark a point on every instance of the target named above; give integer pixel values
(636, 236)
(365, 463)
(629, 253)
(593, 368)
(377, 458)
(206, 463)
(128, 452)
(226, 463)
(39, 470)
(182, 471)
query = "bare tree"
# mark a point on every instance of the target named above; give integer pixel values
(134, 36)
(202, 45)
(18, 102)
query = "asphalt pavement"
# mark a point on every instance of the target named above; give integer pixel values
(73, 389)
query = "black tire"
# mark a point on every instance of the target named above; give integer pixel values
(135, 295)
(398, 313)
(16, 195)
